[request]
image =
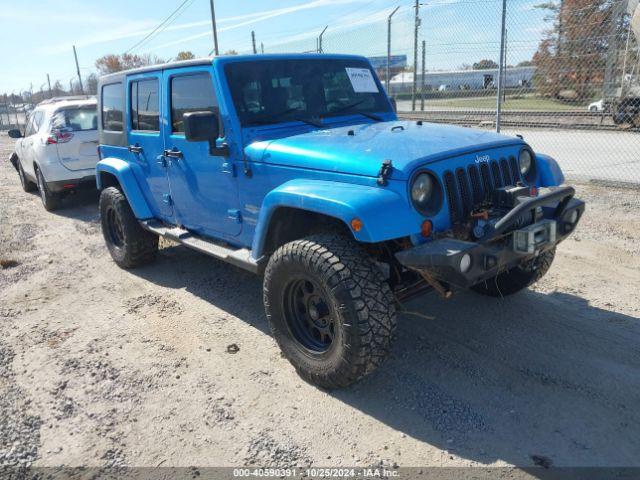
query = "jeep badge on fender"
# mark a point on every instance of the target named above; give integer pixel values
(296, 167)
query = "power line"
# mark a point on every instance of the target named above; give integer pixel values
(162, 25)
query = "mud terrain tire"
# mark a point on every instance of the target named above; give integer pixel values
(518, 278)
(329, 309)
(129, 244)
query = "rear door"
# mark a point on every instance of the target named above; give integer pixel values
(146, 141)
(203, 186)
(76, 132)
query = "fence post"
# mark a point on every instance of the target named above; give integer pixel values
(320, 39)
(424, 71)
(415, 57)
(389, 48)
(501, 69)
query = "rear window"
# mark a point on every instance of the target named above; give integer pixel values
(145, 114)
(112, 102)
(75, 119)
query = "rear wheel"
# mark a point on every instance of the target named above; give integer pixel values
(50, 200)
(329, 309)
(129, 244)
(27, 185)
(518, 278)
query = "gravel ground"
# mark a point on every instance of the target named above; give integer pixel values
(103, 367)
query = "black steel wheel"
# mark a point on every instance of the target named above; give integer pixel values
(309, 315)
(329, 308)
(129, 244)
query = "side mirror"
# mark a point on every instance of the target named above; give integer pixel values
(201, 126)
(14, 133)
(394, 105)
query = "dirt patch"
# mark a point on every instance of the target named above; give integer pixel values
(109, 368)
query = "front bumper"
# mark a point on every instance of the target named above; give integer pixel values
(495, 252)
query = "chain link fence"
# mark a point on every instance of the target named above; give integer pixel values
(566, 73)
(569, 81)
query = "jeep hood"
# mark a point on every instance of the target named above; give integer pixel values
(360, 149)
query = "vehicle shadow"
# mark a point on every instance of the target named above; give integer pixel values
(536, 378)
(81, 205)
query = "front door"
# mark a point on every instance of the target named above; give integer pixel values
(203, 186)
(146, 141)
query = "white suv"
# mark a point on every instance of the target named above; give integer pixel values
(58, 151)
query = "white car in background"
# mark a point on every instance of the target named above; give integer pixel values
(58, 151)
(596, 107)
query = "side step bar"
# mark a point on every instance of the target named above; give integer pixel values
(240, 257)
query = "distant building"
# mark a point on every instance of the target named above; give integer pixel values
(397, 63)
(463, 80)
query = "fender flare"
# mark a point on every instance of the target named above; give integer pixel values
(384, 213)
(126, 177)
(549, 172)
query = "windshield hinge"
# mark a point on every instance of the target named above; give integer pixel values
(385, 171)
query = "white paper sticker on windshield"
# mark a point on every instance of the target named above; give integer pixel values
(361, 80)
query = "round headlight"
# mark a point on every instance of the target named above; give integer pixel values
(526, 162)
(421, 190)
(426, 193)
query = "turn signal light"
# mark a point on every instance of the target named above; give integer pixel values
(426, 229)
(356, 224)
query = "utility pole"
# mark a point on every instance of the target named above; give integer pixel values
(415, 57)
(49, 83)
(75, 55)
(389, 48)
(501, 69)
(320, 39)
(424, 50)
(215, 29)
(253, 41)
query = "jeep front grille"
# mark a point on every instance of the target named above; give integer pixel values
(467, 189)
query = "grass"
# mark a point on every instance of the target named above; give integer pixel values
(522, 103)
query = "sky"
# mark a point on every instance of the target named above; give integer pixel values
(37, 35)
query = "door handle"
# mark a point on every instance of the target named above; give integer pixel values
(135, 148)
(173, 153)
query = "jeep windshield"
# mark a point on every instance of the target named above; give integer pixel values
(275, 91)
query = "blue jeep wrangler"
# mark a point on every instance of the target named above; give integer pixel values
(296, 167)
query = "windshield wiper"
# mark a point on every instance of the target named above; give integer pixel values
(346, 108)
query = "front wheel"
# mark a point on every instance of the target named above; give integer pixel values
(50, 200)
(518, 278)
(27, 185)
(329, 309)
(129, 244)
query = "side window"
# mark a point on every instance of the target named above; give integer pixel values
(112, 101)
(34, 124)
(145, 114)
(190, 93)
(29, 129)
